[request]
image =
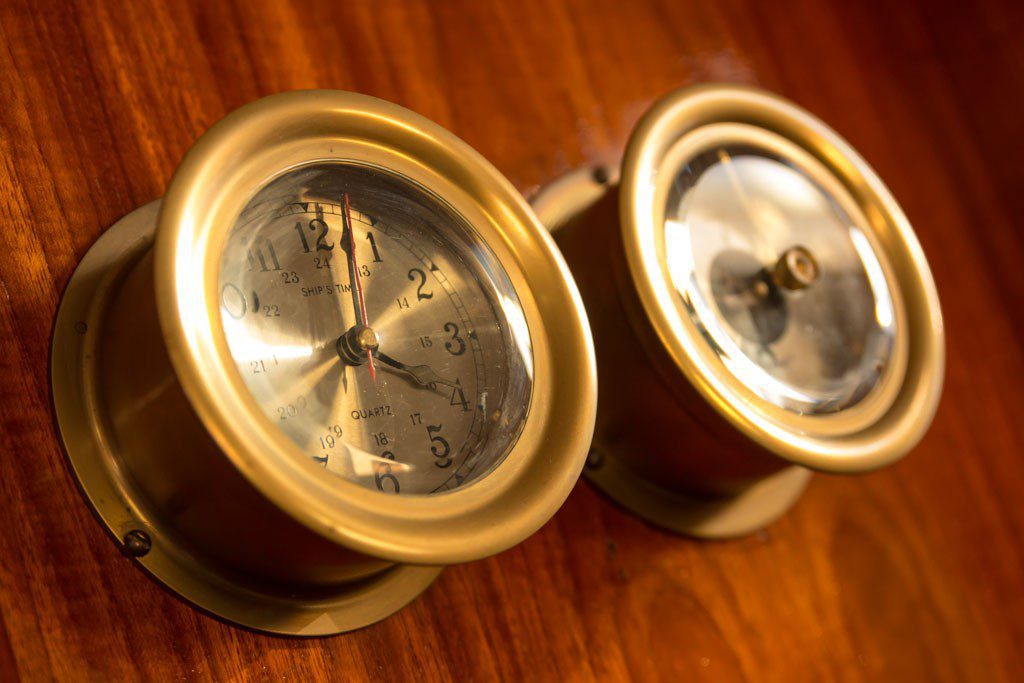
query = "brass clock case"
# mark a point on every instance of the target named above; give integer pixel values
(680, 439)
(200, 486)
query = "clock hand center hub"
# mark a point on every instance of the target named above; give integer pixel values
(353, 345)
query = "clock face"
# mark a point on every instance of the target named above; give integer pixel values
(376, 329)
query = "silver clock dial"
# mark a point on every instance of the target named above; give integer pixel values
(376, 329)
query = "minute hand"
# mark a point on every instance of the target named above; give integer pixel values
(423, 374)
(356, 285)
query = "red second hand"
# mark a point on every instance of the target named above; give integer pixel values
(358, 284)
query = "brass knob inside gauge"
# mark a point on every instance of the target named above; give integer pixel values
(753, 299)
(795, 269)
(750, 321)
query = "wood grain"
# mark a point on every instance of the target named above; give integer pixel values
(911, 573)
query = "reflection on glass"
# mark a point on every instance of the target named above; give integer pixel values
(811, 346)
(375, 329)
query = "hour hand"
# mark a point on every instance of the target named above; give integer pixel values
(423, 374)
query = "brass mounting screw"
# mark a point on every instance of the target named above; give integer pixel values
(137, 543)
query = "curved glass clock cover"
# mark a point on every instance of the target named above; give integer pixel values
(376, 329)
(735, 219)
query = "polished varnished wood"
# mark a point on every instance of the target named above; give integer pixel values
(911, 573)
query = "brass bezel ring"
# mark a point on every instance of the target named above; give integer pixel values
(218, 176)
(891, 425)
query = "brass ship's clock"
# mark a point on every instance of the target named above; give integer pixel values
(340, 353)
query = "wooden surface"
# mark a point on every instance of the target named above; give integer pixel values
(912, 573)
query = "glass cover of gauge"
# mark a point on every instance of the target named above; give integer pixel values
(376, 329)
(784, 285)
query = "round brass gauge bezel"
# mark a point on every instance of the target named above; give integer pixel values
(259, 142)
(681, 440)
(895, 415)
